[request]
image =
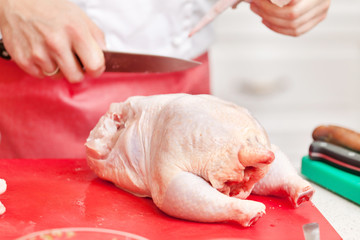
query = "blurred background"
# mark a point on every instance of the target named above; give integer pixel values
(291, 85)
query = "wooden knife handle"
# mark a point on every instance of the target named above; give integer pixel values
(3, 53)
(338, 135)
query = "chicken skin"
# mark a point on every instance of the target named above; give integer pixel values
(198, 157)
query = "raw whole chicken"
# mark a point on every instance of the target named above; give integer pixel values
(221, 6)
(197, 157)
(2, 190)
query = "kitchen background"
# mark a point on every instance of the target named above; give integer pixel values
(291, 85)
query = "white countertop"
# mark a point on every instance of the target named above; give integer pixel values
(342, 214)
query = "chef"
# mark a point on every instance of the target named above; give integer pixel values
(49, 102)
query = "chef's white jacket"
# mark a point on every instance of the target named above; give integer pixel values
(151, 26)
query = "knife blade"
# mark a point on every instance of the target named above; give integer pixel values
(145, 63)
(135, 62)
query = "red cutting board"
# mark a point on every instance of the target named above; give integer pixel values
(49, 193)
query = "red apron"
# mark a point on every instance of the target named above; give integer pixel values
(51, 118)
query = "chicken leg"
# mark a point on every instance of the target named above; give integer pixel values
(191, 197)
(282, 180)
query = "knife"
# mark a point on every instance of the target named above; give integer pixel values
(337, 156)
(134, 62)
(219, 7)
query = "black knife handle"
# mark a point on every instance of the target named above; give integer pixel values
(335, 155)
(3, 53)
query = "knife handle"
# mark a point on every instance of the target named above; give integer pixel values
(341, 136)
(335, 155)
(3, 53)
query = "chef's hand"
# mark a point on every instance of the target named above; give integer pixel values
(294, 19)
(43, 36)
(2, 190)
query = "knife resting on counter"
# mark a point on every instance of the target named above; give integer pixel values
(337, 156)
